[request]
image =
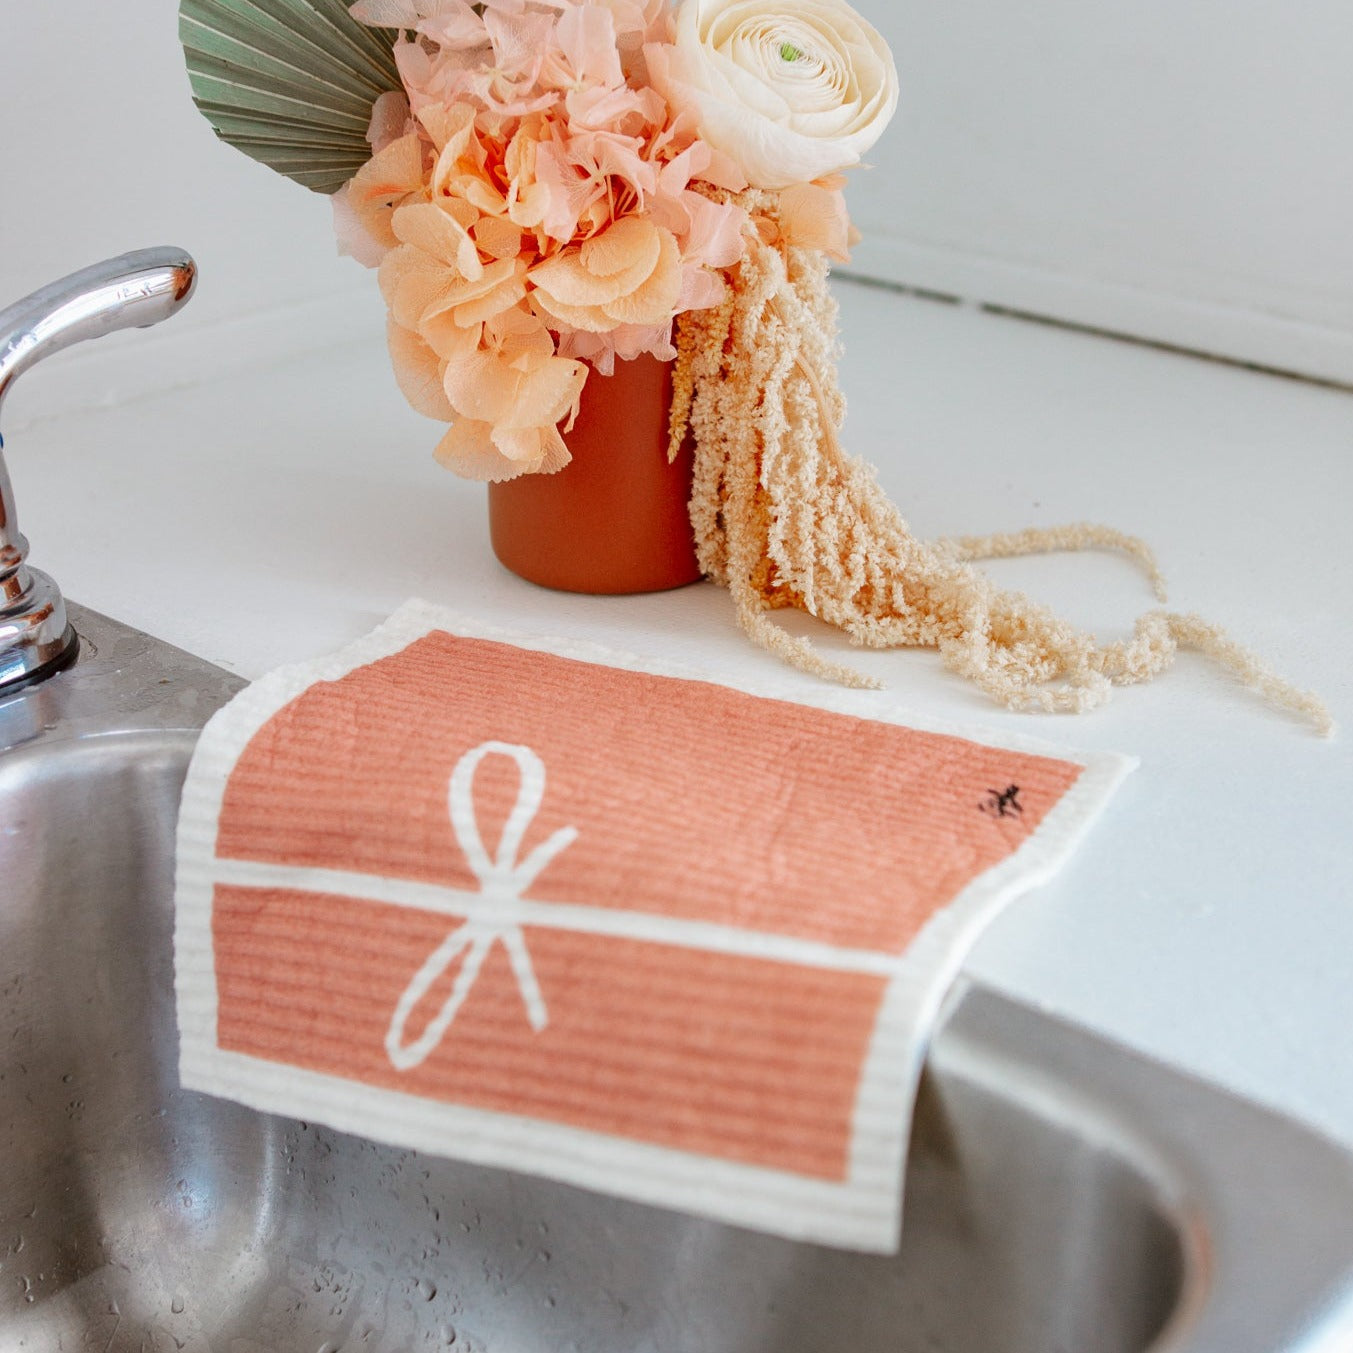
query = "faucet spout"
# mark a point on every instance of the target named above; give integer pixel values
(133, 290)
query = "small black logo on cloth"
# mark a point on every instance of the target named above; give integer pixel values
(1002, 802)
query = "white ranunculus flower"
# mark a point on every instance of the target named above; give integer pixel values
(791, 89)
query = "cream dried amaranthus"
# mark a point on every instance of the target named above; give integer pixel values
(784, 517)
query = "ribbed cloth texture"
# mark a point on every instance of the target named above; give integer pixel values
(536, 890)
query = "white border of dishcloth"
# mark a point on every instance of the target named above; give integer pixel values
(863, 1212)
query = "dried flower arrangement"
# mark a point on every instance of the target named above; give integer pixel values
(556, 182)
(549, 186)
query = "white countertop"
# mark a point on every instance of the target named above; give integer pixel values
(283, 507)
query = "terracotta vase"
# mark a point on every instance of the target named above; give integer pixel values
(615, 518)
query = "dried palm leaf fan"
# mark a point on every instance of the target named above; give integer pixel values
(290, 83)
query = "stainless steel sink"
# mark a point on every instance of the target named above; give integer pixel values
(1063, 1195)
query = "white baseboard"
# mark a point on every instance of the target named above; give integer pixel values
(131, 365)
(1234, 332)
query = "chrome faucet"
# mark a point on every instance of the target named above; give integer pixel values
(137, 289)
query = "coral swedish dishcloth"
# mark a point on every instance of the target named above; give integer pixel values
(539, 906)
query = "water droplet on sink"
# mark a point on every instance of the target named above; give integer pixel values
(448, 1335)
(427, 1290)
(177, 1305)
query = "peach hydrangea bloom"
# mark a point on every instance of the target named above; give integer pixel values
(534, 207)
(541, 201)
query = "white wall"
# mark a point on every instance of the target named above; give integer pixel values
(1178, 169)
(101, 151)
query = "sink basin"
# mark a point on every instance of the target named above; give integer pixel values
(1063, 1195)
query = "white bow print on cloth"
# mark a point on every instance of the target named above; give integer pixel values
(503, 879)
